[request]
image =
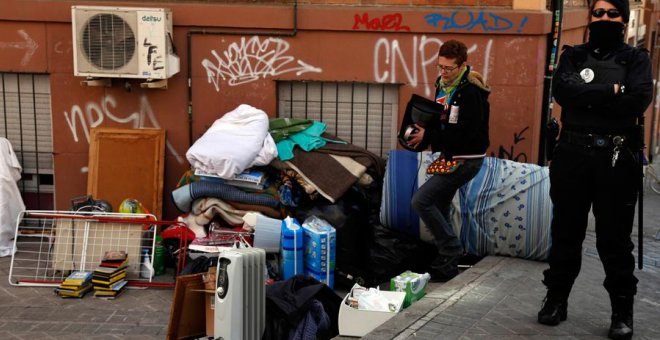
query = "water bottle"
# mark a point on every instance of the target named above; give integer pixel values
(146, 269)
(292, 248)
(159, 256)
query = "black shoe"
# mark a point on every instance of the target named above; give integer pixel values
(444, 268)
(622, 317)
(553, 311)
(620, 328)
(452, 252)
(443, 275)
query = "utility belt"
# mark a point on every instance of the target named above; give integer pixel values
(600, 141)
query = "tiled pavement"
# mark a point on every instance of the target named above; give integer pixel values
(36, 313)
(499, 297)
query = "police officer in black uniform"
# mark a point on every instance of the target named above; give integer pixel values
(603, 86)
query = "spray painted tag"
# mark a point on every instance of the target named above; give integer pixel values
(453, 115)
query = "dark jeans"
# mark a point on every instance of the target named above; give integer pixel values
(433, 199)
(581, 179)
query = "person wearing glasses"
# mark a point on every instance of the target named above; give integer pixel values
(602, 86)
(460, 134)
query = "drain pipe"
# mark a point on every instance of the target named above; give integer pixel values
(283, 33)
(557, 9)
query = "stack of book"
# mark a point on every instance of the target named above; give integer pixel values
(109, 278)
(75, 285)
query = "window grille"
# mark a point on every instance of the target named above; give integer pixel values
(360, 113)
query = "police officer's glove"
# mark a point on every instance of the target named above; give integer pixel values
(572, 78)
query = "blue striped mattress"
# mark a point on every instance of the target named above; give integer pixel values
(504, 210)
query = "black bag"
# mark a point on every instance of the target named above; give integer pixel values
(420, 111)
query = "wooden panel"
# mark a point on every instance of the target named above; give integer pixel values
(127, 163)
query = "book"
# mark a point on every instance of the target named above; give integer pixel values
(108, 271)
(75, 293)
(249, 178)
(114, 259)
(109, 296)
(109, 278)
(113, 287)
(77, 278)
(114, 255)
(108, 282)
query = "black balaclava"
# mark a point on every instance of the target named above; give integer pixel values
(605, 35)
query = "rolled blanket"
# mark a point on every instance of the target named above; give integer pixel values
(185, 195)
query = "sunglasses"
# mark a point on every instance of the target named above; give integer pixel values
(612, 13)
(446, 68)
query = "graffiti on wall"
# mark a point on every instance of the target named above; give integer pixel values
(388, 55)
(95, 113)
(26, 43)
(63, 47)
(511, 152)
(154, 58)
(388, 22)
(468, 21)
(251, 59)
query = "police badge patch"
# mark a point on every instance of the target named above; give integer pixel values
(587, 75)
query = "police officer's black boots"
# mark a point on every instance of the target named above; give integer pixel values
(554, 309)
(622, 317)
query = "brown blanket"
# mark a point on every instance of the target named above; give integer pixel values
(330, 177)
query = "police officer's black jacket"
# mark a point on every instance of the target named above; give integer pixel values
(584, 87)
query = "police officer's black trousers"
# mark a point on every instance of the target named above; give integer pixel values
(582, 178)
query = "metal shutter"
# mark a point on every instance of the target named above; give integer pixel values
(25, 119)
(362, 114)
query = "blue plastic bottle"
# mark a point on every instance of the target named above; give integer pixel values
(292, 248)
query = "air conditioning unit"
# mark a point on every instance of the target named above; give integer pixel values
(123, 42)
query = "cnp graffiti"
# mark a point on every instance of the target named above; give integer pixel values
(388, 55)
(388, 22)
(511, 154)
(95, 113)
(251, 59)
(464, 20)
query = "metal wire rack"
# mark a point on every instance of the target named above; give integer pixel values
(51, 244)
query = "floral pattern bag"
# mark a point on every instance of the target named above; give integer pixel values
(441, 166)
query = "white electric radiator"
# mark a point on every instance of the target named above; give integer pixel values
(240, 299)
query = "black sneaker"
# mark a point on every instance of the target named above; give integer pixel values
(553, 311)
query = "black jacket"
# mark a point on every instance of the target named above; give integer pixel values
(593, 106)
(469, 136)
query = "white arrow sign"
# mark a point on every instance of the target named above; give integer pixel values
(28, 44)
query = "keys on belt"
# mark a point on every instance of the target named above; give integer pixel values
(590, 140)
(618, 142)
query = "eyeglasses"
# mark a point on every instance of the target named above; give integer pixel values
(446, 68)
(612, 13)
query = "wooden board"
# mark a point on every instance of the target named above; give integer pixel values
(127, 163)
(187, 314)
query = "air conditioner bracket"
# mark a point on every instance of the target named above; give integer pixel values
(154, 84)
(106, 82)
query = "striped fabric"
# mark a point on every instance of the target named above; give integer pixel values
(505, 210)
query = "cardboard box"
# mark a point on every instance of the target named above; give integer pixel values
(209, 297)
(319, 244)
(413, 284)
(328, 277)
(355, 322)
